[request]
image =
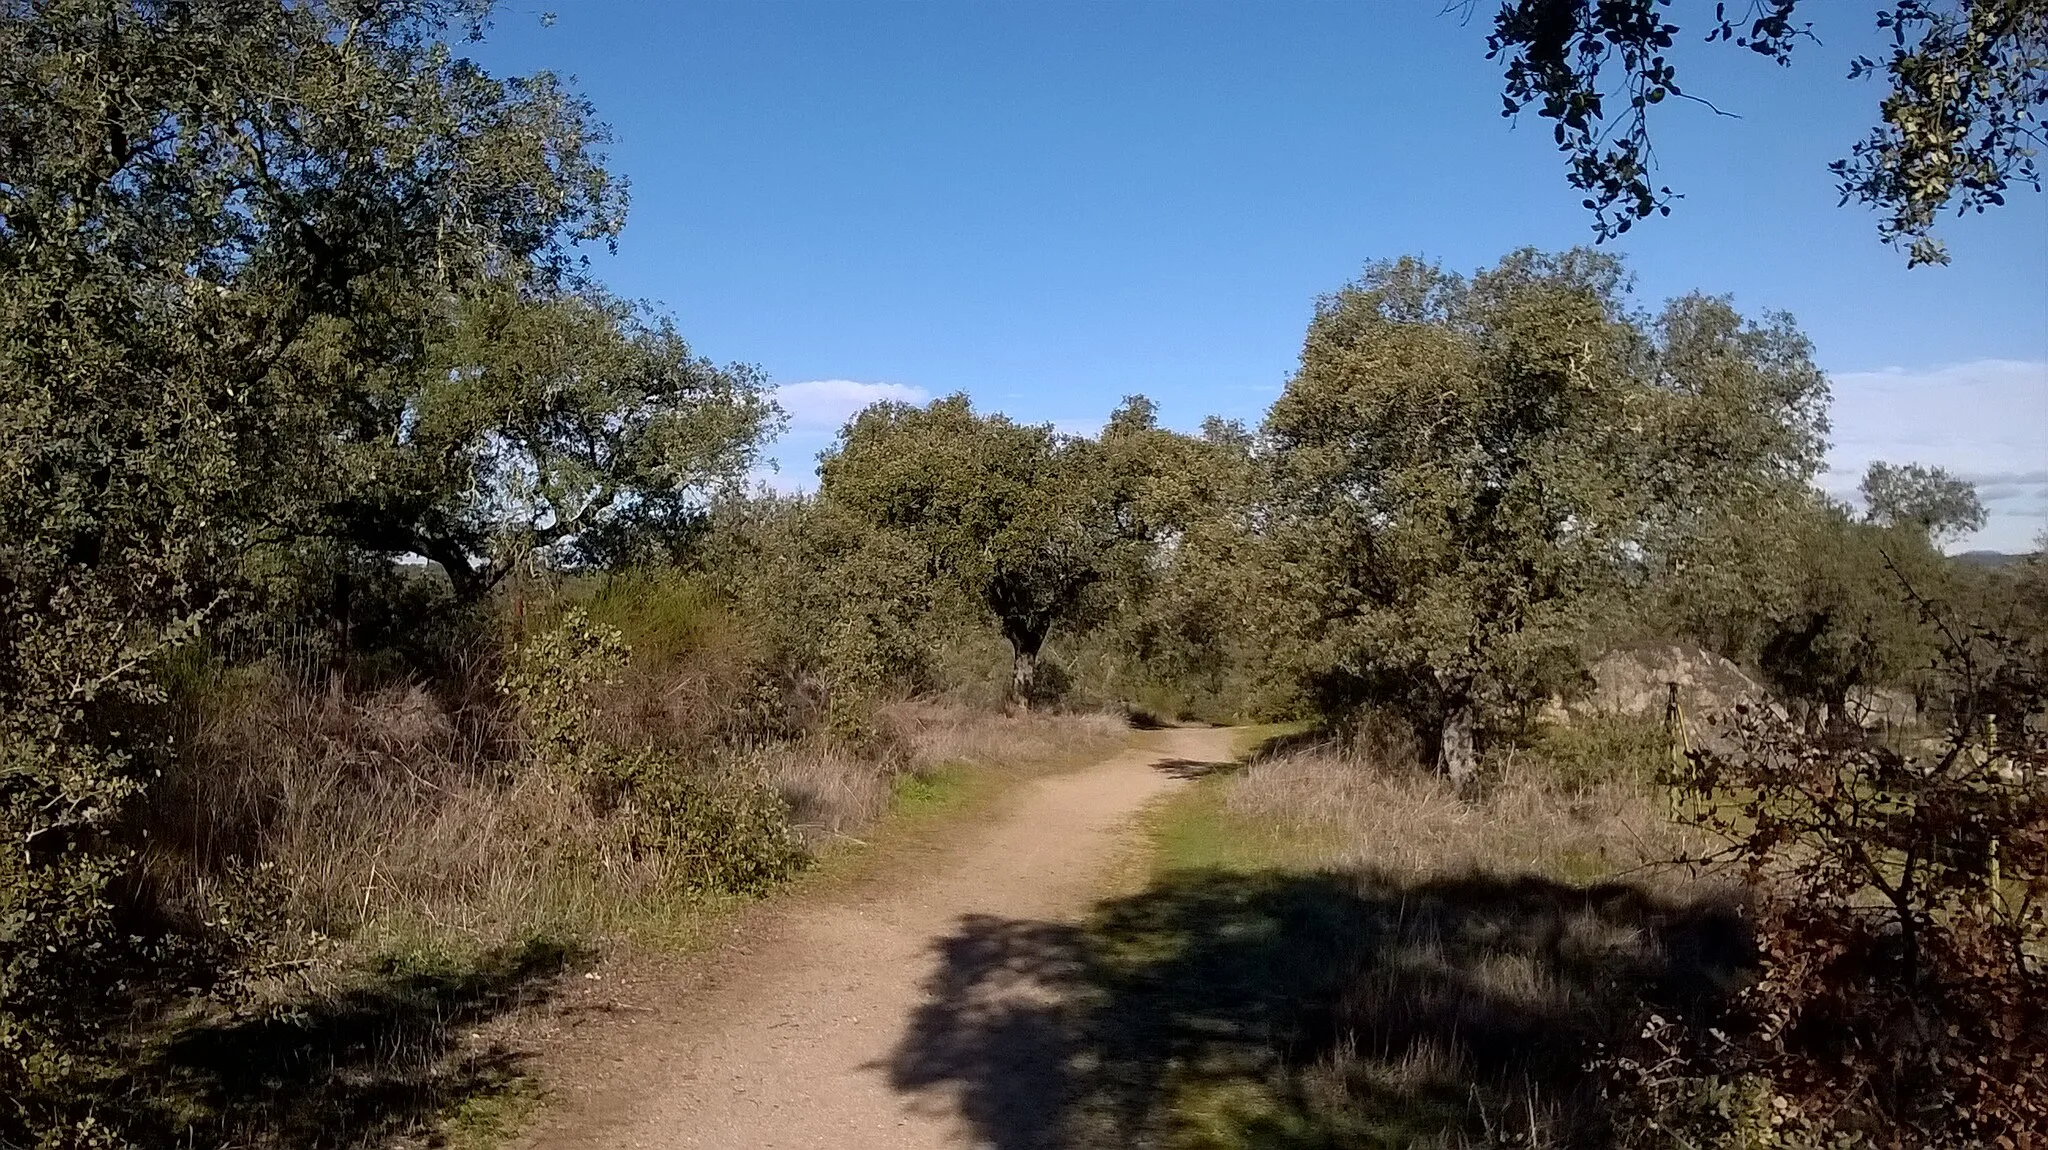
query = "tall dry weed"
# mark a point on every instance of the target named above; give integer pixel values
(1370, 812)
(393, 809)
(1477, 949)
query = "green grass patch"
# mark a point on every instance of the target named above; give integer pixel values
(929, 794)
(1191, 831)
(493, 1116)
(1195, 830)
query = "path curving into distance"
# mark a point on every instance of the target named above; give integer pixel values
(828, 1027)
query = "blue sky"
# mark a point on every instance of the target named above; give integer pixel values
(1052, 205)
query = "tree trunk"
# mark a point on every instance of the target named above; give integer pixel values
(463, 579)
(1838, 720)
(1023, 675)
(1457, 753)
(1025, 645)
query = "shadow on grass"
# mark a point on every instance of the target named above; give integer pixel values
(356, 1067)
(1295, 1011)
(1288, 742)
(1196, 768)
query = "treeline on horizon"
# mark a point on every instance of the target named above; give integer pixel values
(288, 293)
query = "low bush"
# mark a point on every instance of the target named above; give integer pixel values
(1589, 751)
(1900, 891)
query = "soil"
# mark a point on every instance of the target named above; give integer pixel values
(784, 1037)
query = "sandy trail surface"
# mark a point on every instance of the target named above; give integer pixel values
(787, 1038)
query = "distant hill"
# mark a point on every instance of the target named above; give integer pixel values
(1988, 558)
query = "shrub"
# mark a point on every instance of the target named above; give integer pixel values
(1901, 903)
(726, 831)
(1590, 750)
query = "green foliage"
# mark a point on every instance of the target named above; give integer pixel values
(1024, 519)
(553, 681)
(1592, 750)
(1842, 623)
(1957, 125)
(1927, 499)
(569, 425)
(1182, 637)
(1733, 428)
(1472, 478)
(661, 614)
(833, 600)
(722, 831)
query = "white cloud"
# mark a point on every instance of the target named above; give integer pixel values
(817, 409)
(826, 404)
(1986, 421)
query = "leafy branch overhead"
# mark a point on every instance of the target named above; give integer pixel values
(1958, 126)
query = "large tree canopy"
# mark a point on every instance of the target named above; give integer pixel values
(223, 229)
(1468, 473)
(1443, 489)
(572, 425)
(1959, 120)
(1026, 519)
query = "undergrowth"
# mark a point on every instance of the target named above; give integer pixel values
(394, 869)
(1341, 950)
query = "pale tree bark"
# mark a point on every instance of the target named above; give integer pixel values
(1457, 739)
(1023, 677)
(1024, 648)
(1457, 754)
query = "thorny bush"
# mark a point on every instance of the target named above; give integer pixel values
(1901, 905)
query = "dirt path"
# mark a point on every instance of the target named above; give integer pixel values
(789, 1042)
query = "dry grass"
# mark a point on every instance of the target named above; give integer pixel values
(372, 813)
(934, 733)
(1360, 812)
(1340, 950)
(386, 811)
(403, 874)
(834, 793)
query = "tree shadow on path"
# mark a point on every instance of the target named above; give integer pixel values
(1296, 1011)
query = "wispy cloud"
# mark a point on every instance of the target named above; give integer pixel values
(817, 409)
(826, 404)
(1986, 421)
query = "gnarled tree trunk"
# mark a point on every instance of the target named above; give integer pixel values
(1024, 648)
(1457, 748)
(1456, 736)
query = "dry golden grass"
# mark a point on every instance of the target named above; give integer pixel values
(936, 733)
(1359, 811)
(387, 812)
(371, 810)
(1348, 950)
